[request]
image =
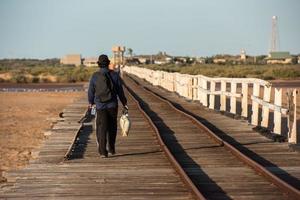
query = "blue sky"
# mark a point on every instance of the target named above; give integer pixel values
(52, 28)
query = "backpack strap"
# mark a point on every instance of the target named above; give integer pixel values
(110, 81)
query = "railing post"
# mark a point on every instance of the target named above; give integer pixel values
(233, 86)
(182, 86)
(178, 79)
(191, 88)
(173, 82)
(223, 96)
(212, 96)
(185, 87)
(200, 93)
(294, 136)
(255, 105)
(176, 88)
(265, 109)
(277, 113)
(169, 81)
(195, 88)
(163, 80)
(158, 78)
(150, 79)
(204, 95)
(150, 76)
(245, 100)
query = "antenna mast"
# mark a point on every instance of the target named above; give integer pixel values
(275, 36)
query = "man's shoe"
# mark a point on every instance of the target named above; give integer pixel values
(103, 156)
(112, 152)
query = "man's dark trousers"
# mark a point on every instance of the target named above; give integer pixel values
(106, 129)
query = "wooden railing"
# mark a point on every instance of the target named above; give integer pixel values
(252, 99)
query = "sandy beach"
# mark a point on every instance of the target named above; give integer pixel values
(24, 117)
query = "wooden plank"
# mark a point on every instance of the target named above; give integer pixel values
(204, 95)
(255, 105)
(294, 135)
(195, 88)
(277, 114)
(212, 96)
(223, 96)
(200, 90)
(245, 100)
(265, 109)
(233, 98)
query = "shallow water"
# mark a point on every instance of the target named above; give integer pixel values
(42, 87)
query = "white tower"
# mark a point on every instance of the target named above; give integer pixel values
(243, 55)
(275, 35)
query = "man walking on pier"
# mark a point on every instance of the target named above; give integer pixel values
(104, 88)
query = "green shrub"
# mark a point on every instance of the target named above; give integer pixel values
(45, 80)
(35, 79)
(19, 78)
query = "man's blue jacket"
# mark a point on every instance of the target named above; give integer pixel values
(118, 91)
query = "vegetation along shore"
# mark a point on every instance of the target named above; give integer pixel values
(51, 71)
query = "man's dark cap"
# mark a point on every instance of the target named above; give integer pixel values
(103, 61)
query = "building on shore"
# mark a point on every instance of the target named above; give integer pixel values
(200, 60)
(71, 59)
(90, 62)
(230, 59)
(219, 60)
(279, 57)
(243, 55)
(160, 58)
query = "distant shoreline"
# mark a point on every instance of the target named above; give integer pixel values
(41, 87)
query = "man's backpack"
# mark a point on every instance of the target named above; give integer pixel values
(104, 87)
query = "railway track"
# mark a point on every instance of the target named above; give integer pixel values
(217, 169)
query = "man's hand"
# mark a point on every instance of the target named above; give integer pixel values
(125, 109)
(90, 106)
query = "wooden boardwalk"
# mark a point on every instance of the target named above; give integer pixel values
(139, 170)
(276, 157)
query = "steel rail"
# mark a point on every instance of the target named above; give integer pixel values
(185, 178)
(69, 151)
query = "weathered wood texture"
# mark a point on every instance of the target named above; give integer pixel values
(215, 171)
(139, 170)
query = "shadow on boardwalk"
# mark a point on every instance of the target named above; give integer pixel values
(178, 151)
(83, 140)
(284, 175)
